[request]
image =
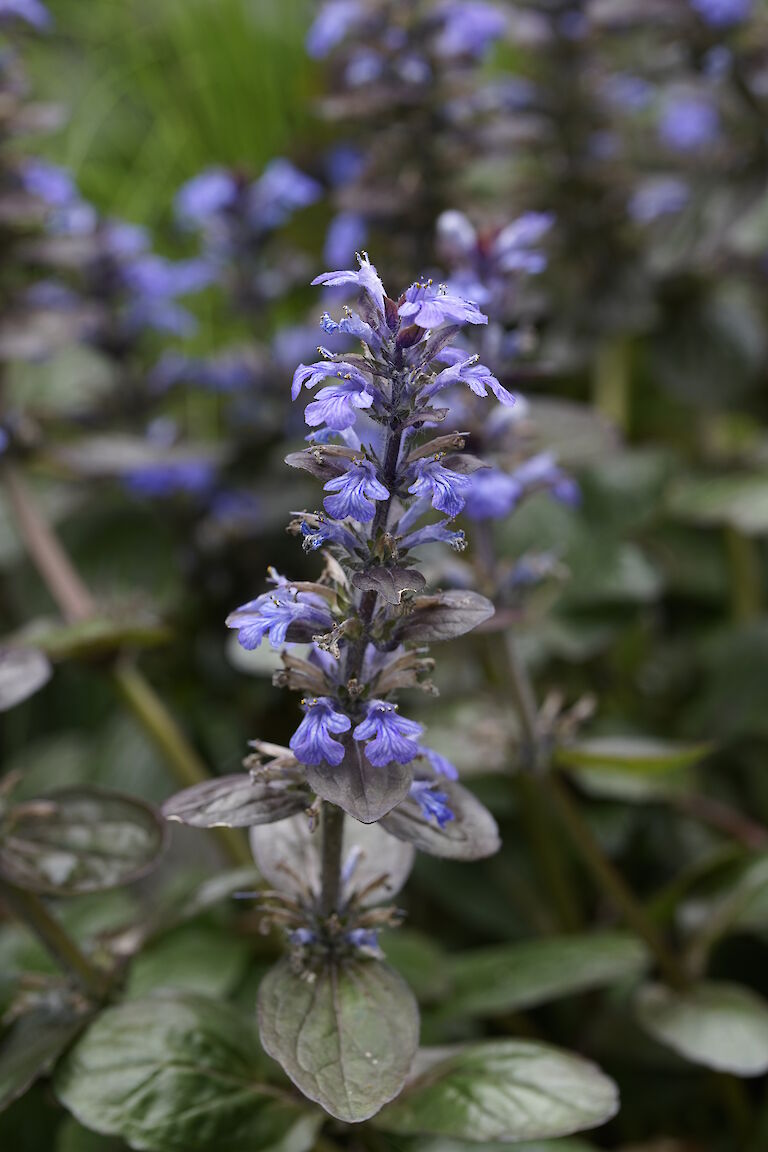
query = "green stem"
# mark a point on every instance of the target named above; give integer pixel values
(612, 882)
(611, 382)
(746, 577)
(76, 603)
(546, 849)
(31, 909)
(187, 767)
(333, 839)
(587, 847)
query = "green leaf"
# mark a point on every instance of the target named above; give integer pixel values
(722, 1026)
(177, 1075)
(740, 501)
(420, 962)
(515, 976)
(32, 1044)
(630, 754)
(23, 671)
(193, 959)
(346, 1035)
(502, 1090)
(440, 1145)
(79, 840)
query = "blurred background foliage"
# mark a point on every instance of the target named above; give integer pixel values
(662, 616)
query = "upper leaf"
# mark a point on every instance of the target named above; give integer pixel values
(390, 583)
(237, 801)
(346, 1035)
(471, 835)
(79, 840)
(364, 791)
(443, 616)
(177, 1074)
(505, 1090)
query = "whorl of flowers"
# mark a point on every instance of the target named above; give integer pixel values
(392, 482)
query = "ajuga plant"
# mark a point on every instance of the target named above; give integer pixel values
(336, 815)
(407, 94)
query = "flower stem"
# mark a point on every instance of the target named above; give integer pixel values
(333, 836)
(76, 603)
(29, 908)
(746, 576)
(601, 868)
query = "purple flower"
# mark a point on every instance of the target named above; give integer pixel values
(273, 613)
(658, 196)
(279, 192)
(345, 164)
(366, 279)
(367, 939)
(32, 11)
(468, 29)
(456, 236)
(390, 736)
(628, 92)
(333, 22)
(346, 234)
(689, 123)
(122, 240)
(166, 479)
(312, 741)
(433, 803)
(317, 531)
(514, 249)
(492, 494)
(336, 406)
(309, 375)
(467, 371)
(439, 533)
(356, 492)
(446, 487)
(722, 13)
(440, 764)
(351, 325)
(50, 183)
(429, 305)
(155, 277)
(363, 67)
(206, 195)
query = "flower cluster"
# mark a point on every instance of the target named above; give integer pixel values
(376, 445)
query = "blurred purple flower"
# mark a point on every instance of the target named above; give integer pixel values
(468, 29)
(689, 123)
(433, 803)
(346, 235)
(205, 195)
(33, 12)
(722, 13)
(658, 196)
(333, 22)
(279, 192)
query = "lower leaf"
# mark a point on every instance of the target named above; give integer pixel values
(346, 1034)
(508, 1090)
